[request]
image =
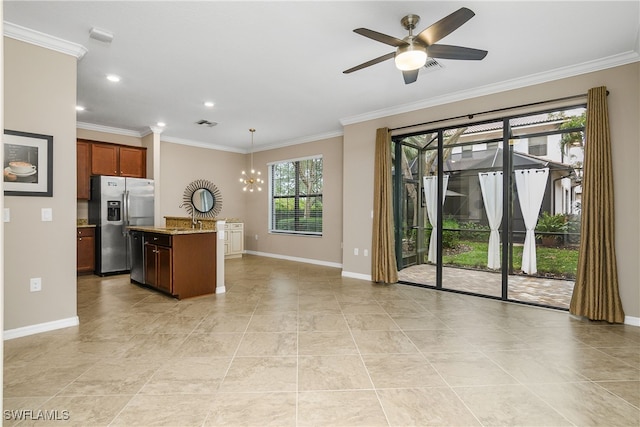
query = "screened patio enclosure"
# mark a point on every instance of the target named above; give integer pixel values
(492, 208)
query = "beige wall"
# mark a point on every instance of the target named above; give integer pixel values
(624, 110)
(182, 164)
(113, 138)
(325, 249)
(40, 97)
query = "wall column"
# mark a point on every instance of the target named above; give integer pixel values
(155, 172)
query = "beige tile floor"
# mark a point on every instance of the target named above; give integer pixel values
(294, 344)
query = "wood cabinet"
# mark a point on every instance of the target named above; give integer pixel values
(133, 162)
(102, 158)
(181, 264)
(118, 160)
(233, 239)
(83, 169)
(158, 262)
(85, 251)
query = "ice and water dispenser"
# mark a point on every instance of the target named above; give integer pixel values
(113, 210)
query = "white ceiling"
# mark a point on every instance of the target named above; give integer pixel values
(277, 65)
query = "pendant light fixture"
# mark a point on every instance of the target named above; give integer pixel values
(252, 180)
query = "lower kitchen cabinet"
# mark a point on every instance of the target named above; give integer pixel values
(158, 266)
(182, 265)
(85, 250)
(233, 239)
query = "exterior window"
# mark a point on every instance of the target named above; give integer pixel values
(467, 152)
(538, 146)
(295, 189)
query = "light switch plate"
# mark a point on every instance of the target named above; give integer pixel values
(7, 215)
(47, 214)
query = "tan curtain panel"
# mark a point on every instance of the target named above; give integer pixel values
(383, 254)
(595, 294)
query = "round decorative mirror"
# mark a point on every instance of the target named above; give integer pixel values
(202, 199)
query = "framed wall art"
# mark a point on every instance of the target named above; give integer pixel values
(28, 164)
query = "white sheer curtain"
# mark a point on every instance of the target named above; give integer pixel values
(491, 187)
(430, 186)
(531, 184)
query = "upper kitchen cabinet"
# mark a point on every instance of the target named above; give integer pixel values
(102, 158)
(118, 160)
(84, 169)
(133, 162)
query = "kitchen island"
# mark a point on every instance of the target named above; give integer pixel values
(181, 262)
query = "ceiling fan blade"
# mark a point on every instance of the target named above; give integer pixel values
(445, 26)
(370, 63)
(379, 37)
(410, 76)
(444, 51)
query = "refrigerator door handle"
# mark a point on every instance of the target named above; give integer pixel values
(125, 216)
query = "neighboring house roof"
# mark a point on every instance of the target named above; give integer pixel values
(491, 159)
(515, 122)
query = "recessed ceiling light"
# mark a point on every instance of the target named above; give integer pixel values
(208, 104)
(113, 78)
(79, 108)
(161, 124)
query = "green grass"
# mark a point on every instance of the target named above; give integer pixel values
(558, 262)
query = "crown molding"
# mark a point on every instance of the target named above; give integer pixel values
(109, 129)
(200, 144)
(37, 38)
(153, 129)
(303, 140)
(533, 79)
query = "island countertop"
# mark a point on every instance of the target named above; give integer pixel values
(170, 230)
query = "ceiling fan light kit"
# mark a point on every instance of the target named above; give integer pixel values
(411, 57)
(412, 52)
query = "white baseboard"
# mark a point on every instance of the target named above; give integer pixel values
(633, 321)
(296, 259)
(40, 327)
(356, 275)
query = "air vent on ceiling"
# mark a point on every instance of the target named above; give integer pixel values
(206, 123)
(430, 66)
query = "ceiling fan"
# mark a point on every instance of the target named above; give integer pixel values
(413, 50)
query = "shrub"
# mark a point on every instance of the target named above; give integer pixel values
(304, 224)
(450, 238)
(548, 223)
(474, 232)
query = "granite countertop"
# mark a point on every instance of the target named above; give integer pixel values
(204, 219)
(169, 230)
(83, 223)
(86, 226)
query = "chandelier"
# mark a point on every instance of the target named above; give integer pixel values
(251, 180)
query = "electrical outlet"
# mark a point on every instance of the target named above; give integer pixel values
(365, 252)
(355, 251)
(7, 215)
(256, 237)
(35, 284)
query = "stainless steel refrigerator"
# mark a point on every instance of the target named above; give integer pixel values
(115, 204)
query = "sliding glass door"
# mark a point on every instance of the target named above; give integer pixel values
(492, 208)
